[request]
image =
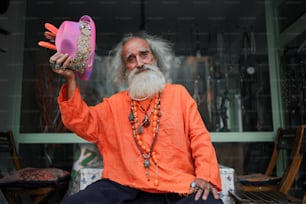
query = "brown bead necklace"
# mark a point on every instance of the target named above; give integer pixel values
(146, 152)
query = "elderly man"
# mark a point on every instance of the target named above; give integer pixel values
(155, 146)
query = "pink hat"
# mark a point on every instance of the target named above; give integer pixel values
(78, 39)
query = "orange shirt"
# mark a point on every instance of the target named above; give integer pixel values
(183, 146)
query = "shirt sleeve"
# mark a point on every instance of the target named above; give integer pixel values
(77, 116)
(203, 151)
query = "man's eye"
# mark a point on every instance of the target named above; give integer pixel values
(144, 53)
(130, 59)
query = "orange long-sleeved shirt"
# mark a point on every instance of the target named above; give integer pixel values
(183, 147)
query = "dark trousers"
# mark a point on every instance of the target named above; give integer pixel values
(105, 191)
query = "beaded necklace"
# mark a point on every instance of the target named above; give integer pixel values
(146, 152)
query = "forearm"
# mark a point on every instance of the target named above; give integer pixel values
(71, 86)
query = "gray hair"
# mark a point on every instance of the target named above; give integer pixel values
(161, 49)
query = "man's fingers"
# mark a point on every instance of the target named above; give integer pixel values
(66, 63)
(215, 193)
(58, 59)
(198, 193)
(203, 189)
(206, 191)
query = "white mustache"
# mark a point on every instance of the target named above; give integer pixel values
(146, 67)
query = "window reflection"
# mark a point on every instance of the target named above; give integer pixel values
(221, 60)
(230, 97)
(293, 81)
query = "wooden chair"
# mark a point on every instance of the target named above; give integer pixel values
(286, 140)
(280, 194)
(37, 183)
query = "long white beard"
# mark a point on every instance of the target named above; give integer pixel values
(145, 84)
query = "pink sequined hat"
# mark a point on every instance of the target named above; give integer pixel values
(78, 39)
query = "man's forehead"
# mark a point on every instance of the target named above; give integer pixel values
(135, 46)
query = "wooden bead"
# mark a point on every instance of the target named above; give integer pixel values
(156, 182)
(153, 131)
(139, 142)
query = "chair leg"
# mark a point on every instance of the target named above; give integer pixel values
(10, 197)
(48, 193)
(39, 199)
(42, 195)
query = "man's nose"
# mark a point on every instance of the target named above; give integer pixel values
(139, 62)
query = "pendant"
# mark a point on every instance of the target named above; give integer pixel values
(146, 122)
(146, 163)
(139, 130)
(131, 118)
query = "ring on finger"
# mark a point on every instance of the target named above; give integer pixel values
(193, 184)
(199, 188)
(57, 66)
(52, 65)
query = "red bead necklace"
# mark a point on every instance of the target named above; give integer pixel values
(146, 152)
(146, 120)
